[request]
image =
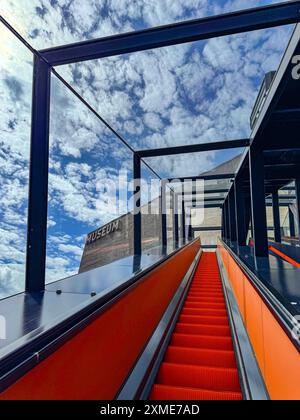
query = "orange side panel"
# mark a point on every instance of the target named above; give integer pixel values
(237, 278)
(282, 371)
(253, 310)
(277, 356)
(94, 363)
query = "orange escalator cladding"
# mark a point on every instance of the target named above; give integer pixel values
(200, 363)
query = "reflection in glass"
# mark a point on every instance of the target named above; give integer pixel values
(151, 210)
(15, 118)
(89, 189)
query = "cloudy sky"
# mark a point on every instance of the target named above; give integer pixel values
(178, 95)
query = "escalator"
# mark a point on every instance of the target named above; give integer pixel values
(200, 361)
(188, 340)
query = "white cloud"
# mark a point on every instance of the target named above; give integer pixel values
(153, 121)
(71, 249)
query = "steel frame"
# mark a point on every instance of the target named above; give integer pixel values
(195, 148)
(276, 217)
(292, 224)
(199, 29)
(189, 31)
(38, 178)
(297, 185)
(258, 206)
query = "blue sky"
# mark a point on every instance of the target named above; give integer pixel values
(184, 94)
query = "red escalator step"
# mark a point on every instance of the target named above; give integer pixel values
(203, 299)
(215, 379)
(200, 357)
(212, 287)
(207, 294)
(164, 392)
(204, 311)
(202, 341)
(210, 330)
(193, 319)
(204, 305)
(200, 362)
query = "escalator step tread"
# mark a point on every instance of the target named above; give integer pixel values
(196, 319)
(204, 377)
(207, 305)
(200, 357)
(204, 311)
(202, 341)
(210, 330)
(165, 392)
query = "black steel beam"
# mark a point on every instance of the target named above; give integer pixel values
(297, 188)
(228, 220)
(282, 157)
(208, 206)
(285, 204)
(213, 191)
(212, 199)
(216, 191)
(276, 173)
(232, 216)
(281, 81)
(248, 223)
(163, 208)
(287, 189)
(286, 115)
(203, 177)
(38, 178)
(137, 216)
(222, 224)
(175, 220)
(183, 233)
(177, 33)
(287, 197)
(276, 217)
(241, 233)
(258, 205)
(190, 229)
(194, 148)
(207, 229)
(192, 199)
(292, 224)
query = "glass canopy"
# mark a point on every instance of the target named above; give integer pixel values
(187, 94)
(57, 22)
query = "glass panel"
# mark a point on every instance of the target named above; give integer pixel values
(151, 210)
(57, 22)
(196, 164)
(183, 94)
(88, 190)
(270, 222)
(170, 217)
(15, 117)
(288, 195)
(207, 228)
